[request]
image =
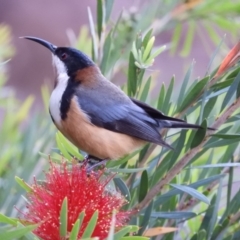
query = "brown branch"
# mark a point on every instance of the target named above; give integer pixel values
(187, 158)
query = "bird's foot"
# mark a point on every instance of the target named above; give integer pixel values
(85, 161)
(102, 163)
(91, 162)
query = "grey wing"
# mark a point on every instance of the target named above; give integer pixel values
(120, 116)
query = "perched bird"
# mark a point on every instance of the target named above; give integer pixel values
(97, 116)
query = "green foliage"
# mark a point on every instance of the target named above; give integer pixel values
(183, 188)
(20, 139)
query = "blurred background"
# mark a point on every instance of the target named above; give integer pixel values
(59, 21)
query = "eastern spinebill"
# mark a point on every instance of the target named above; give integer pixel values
(96, 115)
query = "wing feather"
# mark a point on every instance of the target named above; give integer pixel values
(123, 117)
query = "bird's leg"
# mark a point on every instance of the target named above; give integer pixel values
(93, 162)
(85, 161)
(102, 162)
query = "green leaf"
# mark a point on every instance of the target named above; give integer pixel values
(216, 51)
(122, 160)
(212, 33)
(23, 111)
(148, 48)
(166, 105)
(177, 149)
(61, 146)
(221, 85)
(99, 17)
(214, 216)
(204, 173)
(81, 217)
(75, 230)
(155, 54)
(121, 233)
(216, 94)
(64, 218)
(161, 97)
(106, 53)
(173, 215)
(69, 146)
(93, 35)
(176, 37)
(189, 39)
(91, 226)
(224, 23)
(231, 91)
(185, 83)
(217, 165)
(132, 76)
(19, 232)
(230, 183)
(146, 218)
(23, 184)
(147, 38)
(45, 96)
(127, 170)
(236, 235)
(145, 91)
(208, 215)
(8, 220)
(191, 191)
(238, 91)
(77, 227)
(134, 51)
(194, 237)
(203, 103)
(140, 77)
(31, 236)
(109, 6)
(217, 234)
(220, 143)
(143, 187)
(202, 234)
(227, 136)
(123, 188)
(209, 106)
(193, 93)
(232, 208)
(199, 134)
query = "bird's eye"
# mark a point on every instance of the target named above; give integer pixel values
(63, 56)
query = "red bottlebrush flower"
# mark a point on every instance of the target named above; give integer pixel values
(84, 191)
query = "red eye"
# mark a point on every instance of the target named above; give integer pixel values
(63, 56)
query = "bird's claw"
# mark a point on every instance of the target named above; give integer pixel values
(101, 163)
(91, 163)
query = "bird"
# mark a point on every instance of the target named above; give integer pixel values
(95, 114)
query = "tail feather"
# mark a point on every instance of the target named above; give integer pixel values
(184, 125)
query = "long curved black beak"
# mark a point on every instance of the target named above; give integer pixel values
(46, 44)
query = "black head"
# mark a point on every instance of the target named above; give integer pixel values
(71, 59)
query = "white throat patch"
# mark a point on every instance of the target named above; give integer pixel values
(56, 96)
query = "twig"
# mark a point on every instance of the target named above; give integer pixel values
(187, 158)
